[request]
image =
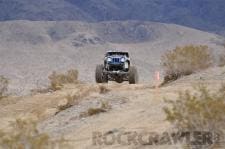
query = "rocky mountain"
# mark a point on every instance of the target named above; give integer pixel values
(201, 14)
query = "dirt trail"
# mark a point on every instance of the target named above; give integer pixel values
(136, 108)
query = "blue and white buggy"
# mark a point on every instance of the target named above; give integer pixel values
(116, 67)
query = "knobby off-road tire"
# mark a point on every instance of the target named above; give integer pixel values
(99, 76)
(133, 75)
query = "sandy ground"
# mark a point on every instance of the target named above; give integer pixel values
(134, 108)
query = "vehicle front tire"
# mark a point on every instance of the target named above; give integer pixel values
(133, 75)
(99, 76)
(104, 78)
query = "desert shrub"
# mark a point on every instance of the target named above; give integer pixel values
(105, 106)
(24, 134)
(103, 89)
(185, 60)
(58, 79)
(94, 111)
(4, 82)
(70, 100)
(202, 111)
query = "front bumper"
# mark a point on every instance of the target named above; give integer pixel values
(117, 75)
(115, 72)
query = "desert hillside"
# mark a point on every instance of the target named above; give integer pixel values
(30, 51)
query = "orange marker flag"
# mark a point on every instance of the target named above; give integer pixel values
(157, 78)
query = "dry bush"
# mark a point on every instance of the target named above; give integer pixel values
(57, 80)
(70, 100)
(105, 106)
(24, 134)
(185, 61)
(74, 98)
(202, 111)
(103, 89)
(95, 111)
(4, 82)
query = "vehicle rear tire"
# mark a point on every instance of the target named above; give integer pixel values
(99, 76)
(133, 75)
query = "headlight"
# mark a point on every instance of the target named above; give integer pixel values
(122, 59)
(109, 59)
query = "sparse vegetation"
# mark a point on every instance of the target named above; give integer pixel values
(95, 111)
(103, 89)
(24, 135)
(74, 98)
(202, 111)
(105, 106)
(185, 61)
(68, 102)
(57, 80)
(4, 82)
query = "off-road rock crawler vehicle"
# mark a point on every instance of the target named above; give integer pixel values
(117, 67)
